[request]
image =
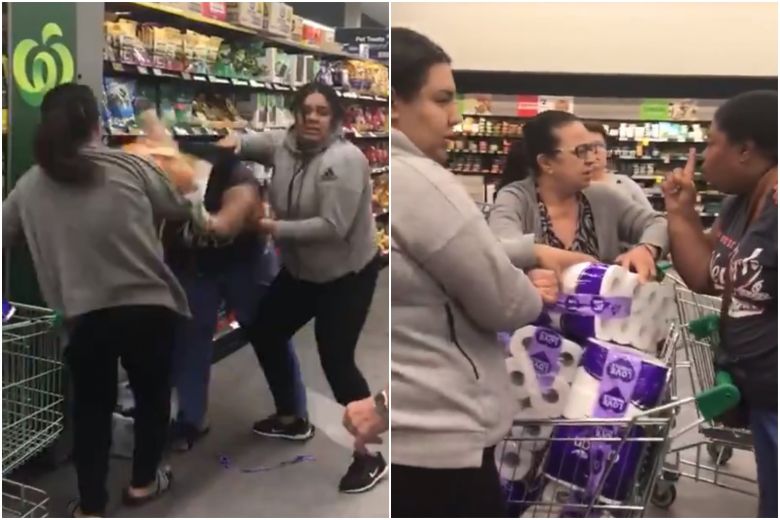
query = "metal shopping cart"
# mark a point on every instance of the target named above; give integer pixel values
(591, 480)
(32, 401)
(698, 317)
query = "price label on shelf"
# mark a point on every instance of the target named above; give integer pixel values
(239, 82)
(198, 78)
(256, 84)
(180, 131)
(186, 75)
(221, 81)
(143, 70)
(118, 67)
(157, 72)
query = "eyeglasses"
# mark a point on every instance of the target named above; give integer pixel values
(583, 150)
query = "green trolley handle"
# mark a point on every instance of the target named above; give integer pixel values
(720, 398)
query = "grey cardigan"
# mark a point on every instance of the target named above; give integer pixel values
(326, 226)
(453, 289)
(516, 222)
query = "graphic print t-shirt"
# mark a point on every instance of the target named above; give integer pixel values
(750, 327)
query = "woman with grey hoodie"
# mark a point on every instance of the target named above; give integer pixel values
(324, 226)
(555, 209)
(453, 288)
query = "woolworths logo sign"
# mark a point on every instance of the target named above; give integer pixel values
(38, 67)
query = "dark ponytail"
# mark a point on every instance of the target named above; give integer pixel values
(69, 116)
(538, 138)
(516, 166)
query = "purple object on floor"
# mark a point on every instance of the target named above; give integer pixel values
(226, 463)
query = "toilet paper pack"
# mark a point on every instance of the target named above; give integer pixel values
(613, 382)
(512, 461)
(541, 367)
(608, 302)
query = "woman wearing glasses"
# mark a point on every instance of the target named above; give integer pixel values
(554, 210)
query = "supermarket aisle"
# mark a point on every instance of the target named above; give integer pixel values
(239, 396)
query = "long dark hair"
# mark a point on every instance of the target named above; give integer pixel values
(314, 87)
(69, 116)
(538, 138)
(751, 116)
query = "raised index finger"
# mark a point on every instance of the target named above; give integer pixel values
(690, 164)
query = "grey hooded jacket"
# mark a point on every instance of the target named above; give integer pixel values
(453, 288)
(516, 222)
(322, 200)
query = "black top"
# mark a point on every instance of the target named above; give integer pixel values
(585, 241)
(749, 330)
(204, 255)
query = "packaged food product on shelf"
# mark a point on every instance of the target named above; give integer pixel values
(246, 14)
(278, 18)
(120, 96)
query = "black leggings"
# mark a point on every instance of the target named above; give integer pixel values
(454, 493)
(339, 309)
(142, 338)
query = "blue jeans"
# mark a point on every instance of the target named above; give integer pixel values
(763, 424)
(242, 285)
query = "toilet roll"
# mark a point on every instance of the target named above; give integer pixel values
(541, 368)
(607, 302)
(613, 381)
(513, 462)
(561, 500)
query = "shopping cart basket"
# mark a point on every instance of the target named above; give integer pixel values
(22, 501)
(32, 398)
(699, 317)
(612, 488)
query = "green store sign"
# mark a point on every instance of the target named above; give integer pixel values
(39, 66)
(42, 54)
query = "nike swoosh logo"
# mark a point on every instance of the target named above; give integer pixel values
(374, 473)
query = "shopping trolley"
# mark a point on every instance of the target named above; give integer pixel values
(699, 317)
(32, 400)
(610, 488)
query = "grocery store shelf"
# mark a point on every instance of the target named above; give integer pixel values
(496, 136)
(657, 141)
(497, 116)
(476, 173)
(130, 69)
(365, 135)
(468, 152)
(677, 158)
(172, 12)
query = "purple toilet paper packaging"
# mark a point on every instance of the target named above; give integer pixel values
(609, 303)
(541, 367)
(613, 382)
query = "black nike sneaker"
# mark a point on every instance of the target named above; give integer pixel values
(298, 430)
(365, 472)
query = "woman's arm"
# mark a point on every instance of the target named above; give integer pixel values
(239, 204)
(258, 147)
(633, 190)
(12, 220)
(639, 223)
(506, 222)
(692, 249)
